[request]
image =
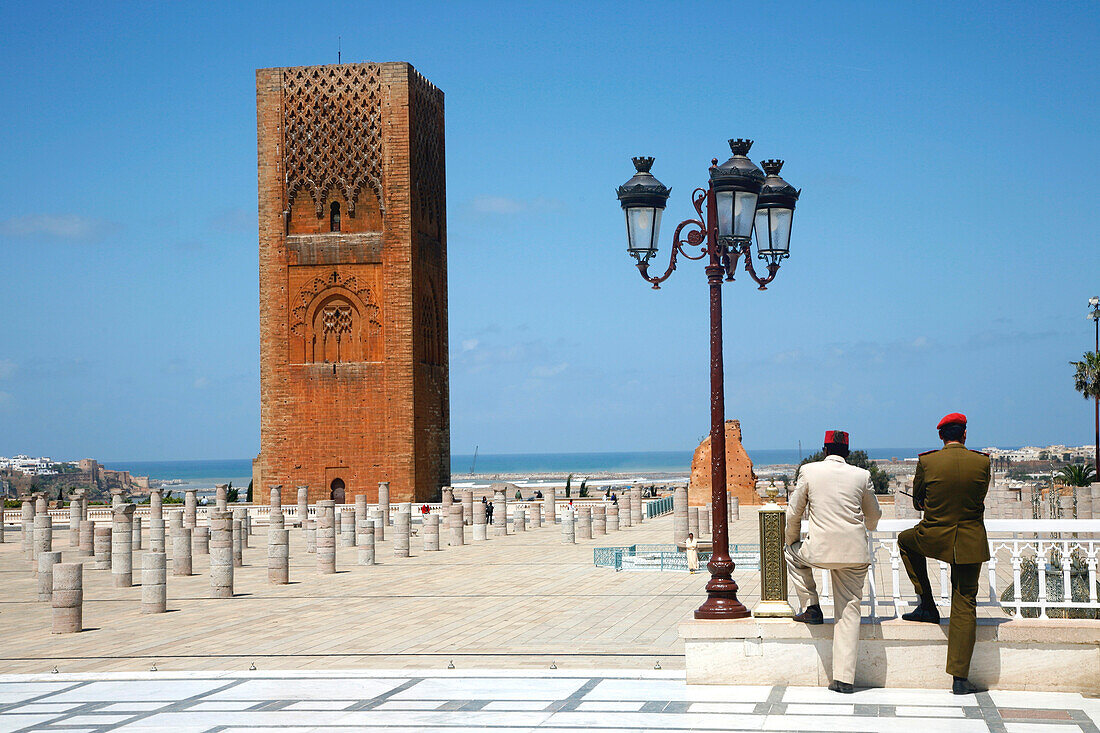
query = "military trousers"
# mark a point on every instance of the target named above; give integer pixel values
(847, 583)
(962, 628)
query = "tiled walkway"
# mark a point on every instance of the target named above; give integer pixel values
(505, 701)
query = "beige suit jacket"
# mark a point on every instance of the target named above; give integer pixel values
(839, 503)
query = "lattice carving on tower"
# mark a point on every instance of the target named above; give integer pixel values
(332, 129)
(335, 320)
(431, 337)
(428, 152)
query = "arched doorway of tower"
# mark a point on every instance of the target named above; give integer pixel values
(337, 487)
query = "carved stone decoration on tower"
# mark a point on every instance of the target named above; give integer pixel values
(353, 282)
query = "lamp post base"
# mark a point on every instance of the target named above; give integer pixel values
(722, 601)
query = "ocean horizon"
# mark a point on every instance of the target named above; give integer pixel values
(239, 470)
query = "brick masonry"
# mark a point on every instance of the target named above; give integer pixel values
(354, 384)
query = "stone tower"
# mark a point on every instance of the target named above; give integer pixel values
(353, 282)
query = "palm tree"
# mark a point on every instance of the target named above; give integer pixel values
(1086, 379)
(1077, 475)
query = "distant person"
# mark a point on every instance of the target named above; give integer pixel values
(839, 501)
(691, 548)
(425, 509)
(950, 487)
(538, 494)
(489, 512)
(614, 499)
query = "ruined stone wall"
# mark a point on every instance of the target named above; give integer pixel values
(740, 478)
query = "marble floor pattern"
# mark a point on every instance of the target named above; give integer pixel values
(610, 701)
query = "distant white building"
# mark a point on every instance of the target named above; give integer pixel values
(41, 466)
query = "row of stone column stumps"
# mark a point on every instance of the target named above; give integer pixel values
(173, 539)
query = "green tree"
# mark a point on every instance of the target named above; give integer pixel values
(1077, 475)
(880, 480)
(568, 483)
(249, 496)
(231, 494)
(584, 488)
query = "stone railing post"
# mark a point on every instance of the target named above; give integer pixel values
(221, 554)
(67, 598)
(773, 567)
(122, 546)
(154, 588)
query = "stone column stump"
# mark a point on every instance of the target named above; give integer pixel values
(625, 502)
(74, 523)
(679, 514)
(135, 535)
(735, 509)
(379, 519)
(238, 540)
(481, 529)
(599, 520)
(584, 523)
(326, 537)
(190, 508)
(43, 537)
(364, 540)
(613, 518)
(303, 506)
(311, 536)
(519, 519)
(500, 513)
(693, 520)
(200, 541)
(431, 532)
(154, 587)
(87, 538)
(27, 536)
(568, 527)
(549, 506)
(221, 554)
(401, 527)
(278, 555)
(122, 546)
(221, 496)
(181, 552)
(67, 598)
(467, 506)
(101, 546)
(384, 502)
(534, 515)
(46, 562)
(347, 527)
(458, 530)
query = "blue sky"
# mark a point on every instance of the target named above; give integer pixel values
(943, 251)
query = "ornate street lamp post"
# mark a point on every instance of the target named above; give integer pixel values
(739, 199)
(1094, 314)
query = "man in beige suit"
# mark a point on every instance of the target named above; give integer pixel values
(839, 502)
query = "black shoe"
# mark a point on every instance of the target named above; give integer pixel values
(811, 615)
(926, 613)
(962, 686)
(841, 687)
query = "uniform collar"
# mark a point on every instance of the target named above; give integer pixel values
(835, 458)
(955, 445)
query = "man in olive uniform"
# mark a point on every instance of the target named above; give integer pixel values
(950, 487)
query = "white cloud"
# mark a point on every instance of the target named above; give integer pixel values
(61, 227)
(201, 383)
(469, 344)
(544, 372)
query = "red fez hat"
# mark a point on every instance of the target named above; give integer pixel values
(836, 436)
(955, 418)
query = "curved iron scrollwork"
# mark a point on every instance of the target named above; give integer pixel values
(697, 236)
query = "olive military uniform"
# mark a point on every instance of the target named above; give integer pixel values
(950, 487)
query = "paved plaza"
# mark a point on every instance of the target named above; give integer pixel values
(370, 647)
(506, 702)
